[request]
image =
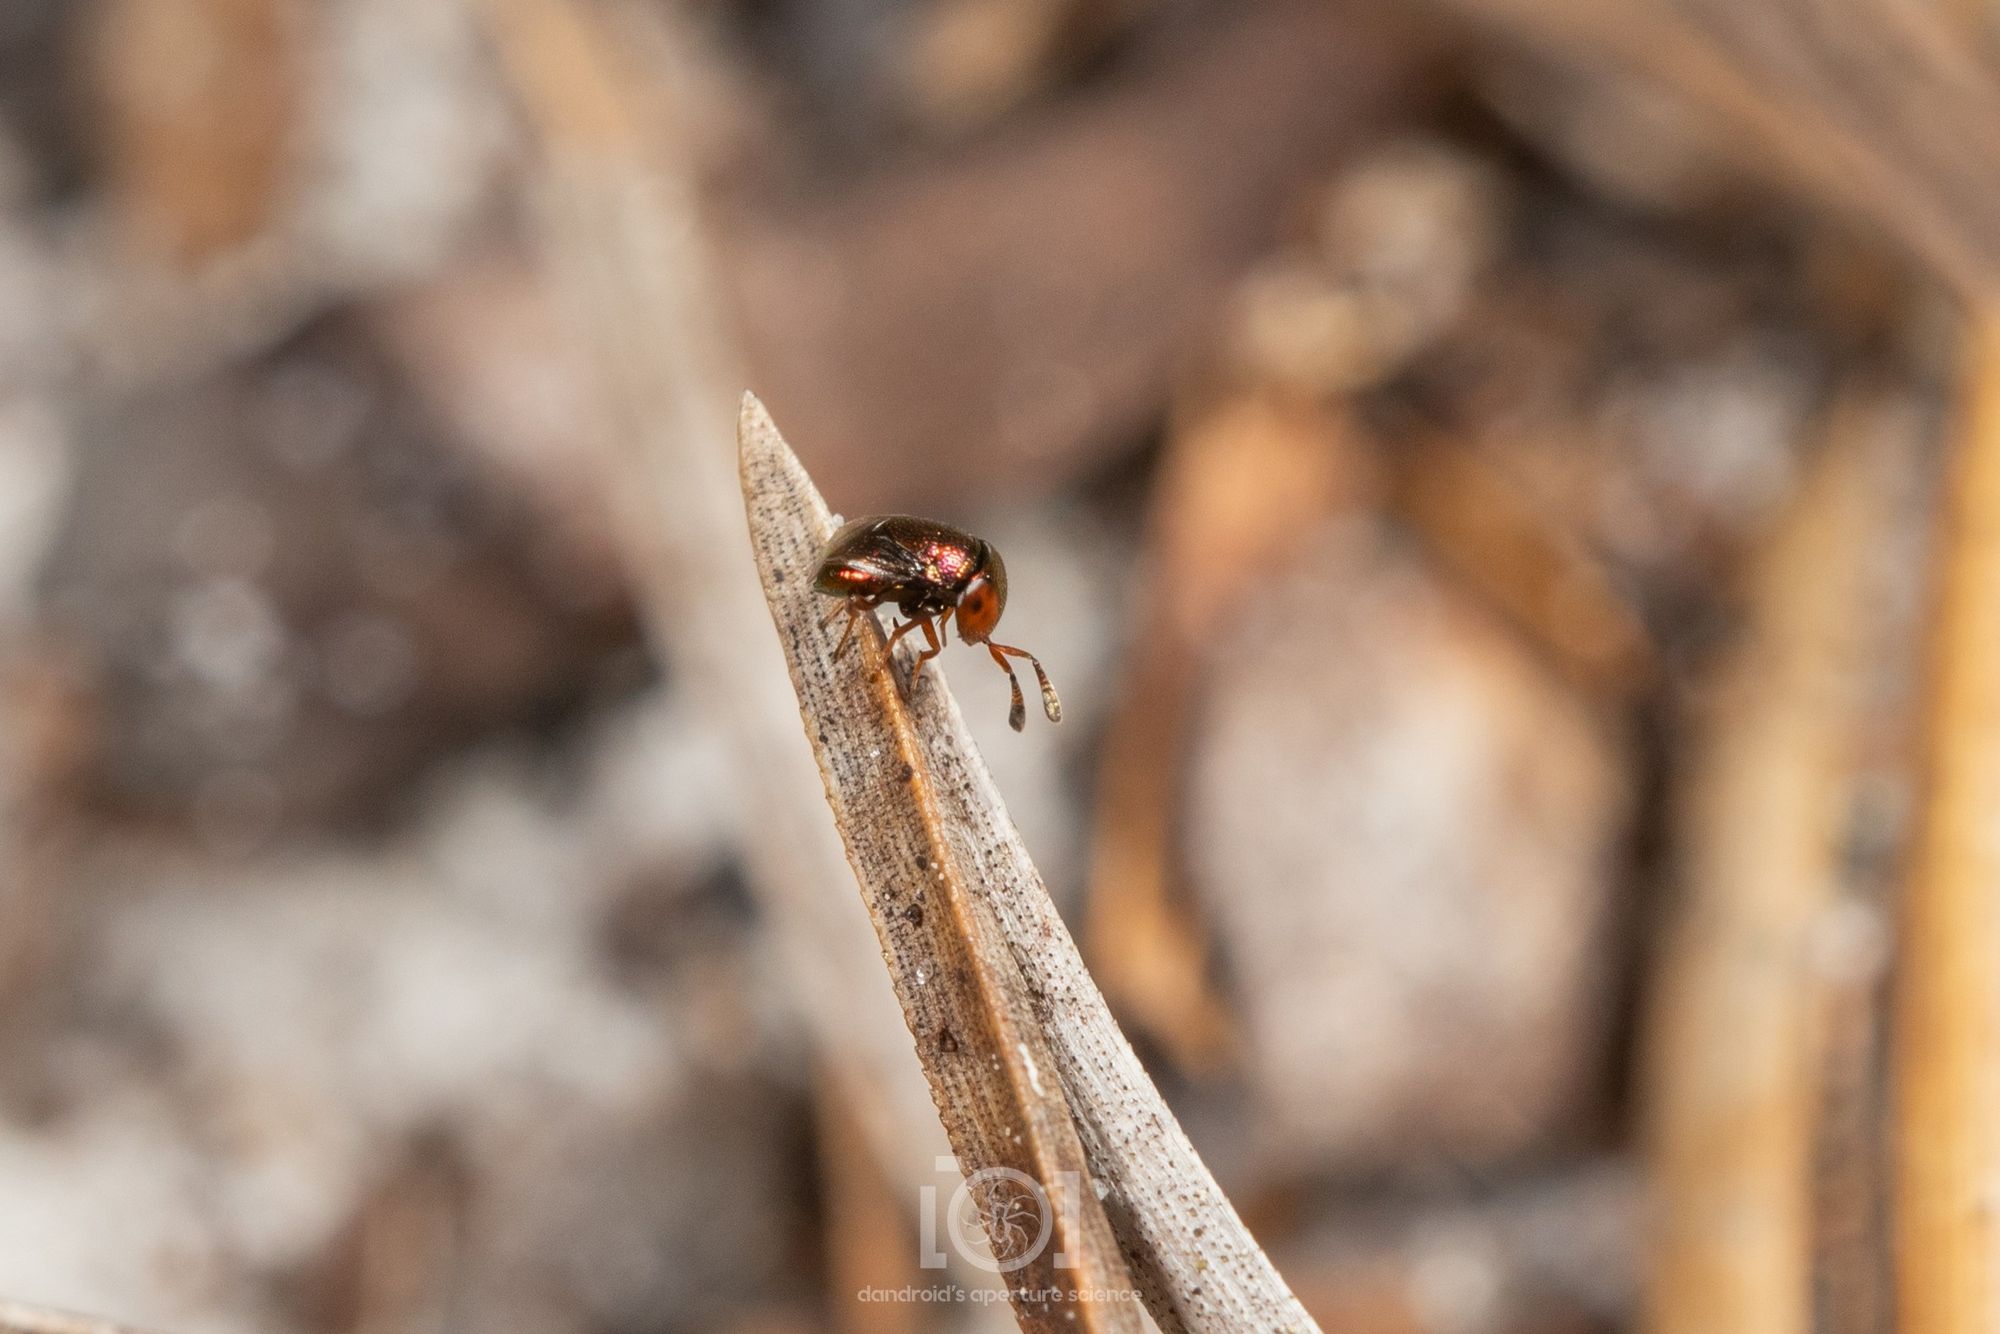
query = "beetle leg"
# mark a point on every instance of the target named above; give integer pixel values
(1051, 706)
(902, 630)
(936, 647)
(929, 626)
(847, 633)
(854, 607)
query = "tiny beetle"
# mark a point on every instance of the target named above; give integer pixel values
(931, 571)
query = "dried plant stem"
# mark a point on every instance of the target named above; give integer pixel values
(990, 1070)
(933, 847)
(1874, 104)
(1884, 108)
(624, 244)
(1947, 1037)
(1851, 1251)
(1737, 1016)
(1947, 1067)
(21, 1318)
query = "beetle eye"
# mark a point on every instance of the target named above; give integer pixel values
(978, 610)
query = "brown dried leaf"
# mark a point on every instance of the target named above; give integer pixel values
(1502, 540)
(1031, 301)
(1421, 960)
(1006, 1019)
(1242, 485)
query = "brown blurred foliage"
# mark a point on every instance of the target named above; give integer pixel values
(1473, 470)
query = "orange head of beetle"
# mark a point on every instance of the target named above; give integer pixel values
(983, 598)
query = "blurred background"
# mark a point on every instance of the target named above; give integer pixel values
(1471, 469)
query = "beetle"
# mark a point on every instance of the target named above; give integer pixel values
(931, 572)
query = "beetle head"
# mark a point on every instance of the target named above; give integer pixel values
(983, 598)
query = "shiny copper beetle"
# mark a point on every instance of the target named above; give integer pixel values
(931, 571)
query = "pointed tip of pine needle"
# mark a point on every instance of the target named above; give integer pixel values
(754, 428)
(769, 470)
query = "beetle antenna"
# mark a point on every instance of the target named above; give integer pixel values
(1017, 712)
(1051, 705)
